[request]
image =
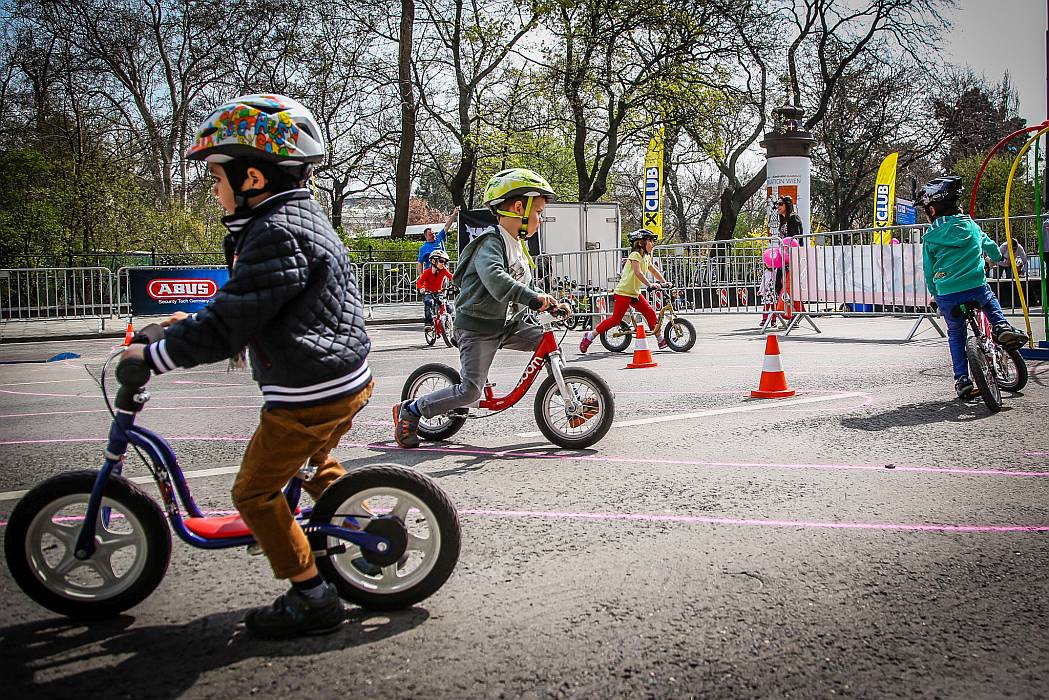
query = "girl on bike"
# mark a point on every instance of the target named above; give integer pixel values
(432, 282)
(628, 292)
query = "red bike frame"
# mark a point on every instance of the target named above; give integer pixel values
(547, 347)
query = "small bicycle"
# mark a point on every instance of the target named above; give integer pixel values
(443, 321)
(574, 407)
(679, 333)
(91, 544)
(993, 367)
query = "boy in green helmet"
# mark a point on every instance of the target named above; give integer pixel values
(493, 271)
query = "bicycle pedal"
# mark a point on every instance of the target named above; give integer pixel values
(254, 549)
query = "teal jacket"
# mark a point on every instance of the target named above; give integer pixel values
(485, 287)
(952, 255)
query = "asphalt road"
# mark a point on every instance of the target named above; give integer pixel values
(870, 537)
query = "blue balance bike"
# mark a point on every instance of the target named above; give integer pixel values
(91, 544)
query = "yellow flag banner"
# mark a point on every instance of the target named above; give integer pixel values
(652, 211)
(885, 198)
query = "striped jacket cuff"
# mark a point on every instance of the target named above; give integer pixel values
(159, 358)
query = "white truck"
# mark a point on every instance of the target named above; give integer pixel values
(580, 243)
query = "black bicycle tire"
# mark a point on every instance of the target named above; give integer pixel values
(118, 489)
(605, 419)
(691, 332)
(977, 359)
(418, 485)
(622, 346)
(455, 423)
(1022, 372)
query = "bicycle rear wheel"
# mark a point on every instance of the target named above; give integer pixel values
(982, 370)
(617, 338)
(1011, 370)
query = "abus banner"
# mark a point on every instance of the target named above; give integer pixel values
(164, 290)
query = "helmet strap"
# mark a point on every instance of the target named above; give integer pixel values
(523, 231)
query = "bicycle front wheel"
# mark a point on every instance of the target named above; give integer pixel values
(680, 335)
(982, 370)
(584, 426)
(132, 546)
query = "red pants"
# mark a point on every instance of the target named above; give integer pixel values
(619, 311)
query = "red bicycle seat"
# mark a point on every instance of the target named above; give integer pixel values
(220, 528)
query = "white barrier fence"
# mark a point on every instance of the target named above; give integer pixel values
(28, 294)
(844, 272)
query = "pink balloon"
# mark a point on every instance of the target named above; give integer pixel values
(791, 242)
(895, 241)
(773, 257)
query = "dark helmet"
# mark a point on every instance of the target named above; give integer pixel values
(944, 189)
(786, 199)
(641, 234)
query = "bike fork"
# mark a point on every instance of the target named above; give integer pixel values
(555, 362)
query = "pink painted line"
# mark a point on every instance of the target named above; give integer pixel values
(698, 463)
(712, 520)
(754, 522)
(1036, 454)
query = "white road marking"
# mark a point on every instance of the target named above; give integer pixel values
(765, 404)
(194, 474)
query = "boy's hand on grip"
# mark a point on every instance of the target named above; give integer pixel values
(173, 319)
(546, 302)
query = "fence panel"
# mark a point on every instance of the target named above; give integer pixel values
(30, 294)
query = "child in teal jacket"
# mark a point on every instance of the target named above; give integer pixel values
(953, 251)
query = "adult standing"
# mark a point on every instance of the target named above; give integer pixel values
(1004, 268)
(433, 242)
(789, 221)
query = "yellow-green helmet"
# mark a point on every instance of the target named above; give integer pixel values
(516, 182)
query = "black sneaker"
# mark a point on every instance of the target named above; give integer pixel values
(294, 614)
(964, 387)
(1009, 337)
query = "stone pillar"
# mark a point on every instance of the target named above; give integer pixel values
(789, 164)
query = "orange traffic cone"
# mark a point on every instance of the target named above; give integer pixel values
(128, 334)
(773, 384)
(642, 355)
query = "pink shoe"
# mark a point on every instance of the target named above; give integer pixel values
(584, 344)
(662, 342)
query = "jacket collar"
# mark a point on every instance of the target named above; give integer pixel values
(239, 220)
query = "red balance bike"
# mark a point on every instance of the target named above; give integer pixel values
(574, 407)
(443, 319)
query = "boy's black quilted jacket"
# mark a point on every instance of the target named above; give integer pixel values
(291, 299)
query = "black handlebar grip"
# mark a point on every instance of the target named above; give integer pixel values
(133, 372)
(535, 305)
(152, 333)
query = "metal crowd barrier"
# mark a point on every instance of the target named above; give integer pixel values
(390, 283)
(30, 294)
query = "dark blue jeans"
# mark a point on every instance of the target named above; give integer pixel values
(956, 325)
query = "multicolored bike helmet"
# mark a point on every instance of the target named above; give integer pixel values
(268, 127)
(948, 188)
(517, 182)
(273, 133)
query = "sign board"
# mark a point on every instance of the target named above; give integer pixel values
(156, 291)
(906, 214)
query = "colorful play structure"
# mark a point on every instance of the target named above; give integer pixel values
(1041, 352)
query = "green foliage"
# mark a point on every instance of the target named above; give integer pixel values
(990, 200)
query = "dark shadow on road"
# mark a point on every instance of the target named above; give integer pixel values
(471, 458)
(928, 412)
(114, 658)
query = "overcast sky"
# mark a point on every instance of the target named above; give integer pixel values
(993, 36)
